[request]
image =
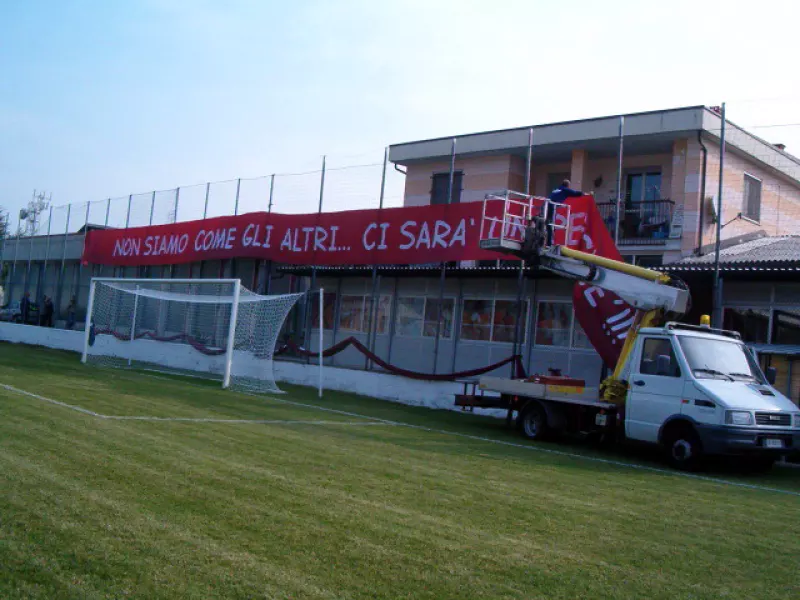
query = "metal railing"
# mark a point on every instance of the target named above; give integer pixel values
(645, 223)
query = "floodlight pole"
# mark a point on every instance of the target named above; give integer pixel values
(133, 320)
(88, 325)
(237, 288)
(321, 306)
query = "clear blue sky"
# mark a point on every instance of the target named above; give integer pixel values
(102, 99)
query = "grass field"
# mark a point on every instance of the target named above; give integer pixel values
(310, 503)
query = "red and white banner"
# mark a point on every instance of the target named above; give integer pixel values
(408, 235)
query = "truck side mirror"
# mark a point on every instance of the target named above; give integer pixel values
(772, 375)
(663, 365)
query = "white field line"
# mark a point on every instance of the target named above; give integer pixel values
(183, 419)
(533, 448)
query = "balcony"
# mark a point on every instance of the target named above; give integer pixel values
(647, 223)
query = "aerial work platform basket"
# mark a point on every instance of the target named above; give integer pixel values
(508, 219)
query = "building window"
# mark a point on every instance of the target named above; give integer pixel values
(786, 327)
(420, 317)
(440, 182)
(579, 337)
(352, 314)
(553, 324)
(751, 207)
(491, 320)
(642, 186)
(752, 323)
(328, 310)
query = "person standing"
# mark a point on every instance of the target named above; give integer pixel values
(71, 309)
(559, 195)
(47, 312)
(25, 307)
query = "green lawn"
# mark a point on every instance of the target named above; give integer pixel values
(319, 504)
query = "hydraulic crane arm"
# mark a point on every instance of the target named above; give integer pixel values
(642, 288)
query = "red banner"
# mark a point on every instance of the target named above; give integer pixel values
(412, 235)
(409, 235)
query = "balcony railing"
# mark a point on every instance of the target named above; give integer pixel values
(645, 223)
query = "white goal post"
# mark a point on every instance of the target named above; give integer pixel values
(213, 328)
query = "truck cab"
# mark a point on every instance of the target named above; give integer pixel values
(699, 391)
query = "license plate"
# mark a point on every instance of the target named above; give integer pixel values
(773, 443)
(600, 420)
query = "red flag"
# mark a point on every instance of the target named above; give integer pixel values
(604, 316)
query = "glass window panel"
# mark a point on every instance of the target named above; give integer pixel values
(786, 325)
(553, 324)
(579, 338)
(752, 323)
(653, 348)
(633, 192)
(409, 316)
(505, 321)
(351, 313)
(328, 310)
(476, 320)
(652, 186)
(382, 314)
(432, 318)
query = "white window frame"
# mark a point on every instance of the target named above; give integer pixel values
(422, 336)
(745, 186)
(493, 303)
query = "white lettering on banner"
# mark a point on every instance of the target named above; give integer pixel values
(127, 247)
(368, 245)
(590, 292)
(460, 235)
(381, 244)
(320, 235)
(286, 244)
(313, 239)
(404, 231)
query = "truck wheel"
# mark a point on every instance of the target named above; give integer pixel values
(683, 447)
(533, 422)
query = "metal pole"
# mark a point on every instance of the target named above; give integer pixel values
(236, 201)
(271, 188)
(177, 197)
(60, 279)
(108, 211)
(717, 316)
(321, 304)
(528, 162)
(3, 249)
(46, 247)
(520, 317)
(444, 265)
(87, 330)
(383, 175)
(128, 214)
(205, 206)
(619, 178)
(237, 288)
(152, 206)
(133, 321)
(321, 184)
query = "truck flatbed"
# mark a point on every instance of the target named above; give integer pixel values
(543, 391)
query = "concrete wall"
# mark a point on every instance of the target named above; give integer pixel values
(438, 395)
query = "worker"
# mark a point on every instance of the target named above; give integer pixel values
(562, 192)
(559, 195)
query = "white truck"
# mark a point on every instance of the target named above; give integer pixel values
(691, 389)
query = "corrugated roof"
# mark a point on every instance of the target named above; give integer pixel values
(762, 252)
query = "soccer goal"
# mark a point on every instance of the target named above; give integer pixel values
(212, 328)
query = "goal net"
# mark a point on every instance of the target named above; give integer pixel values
(213, 328)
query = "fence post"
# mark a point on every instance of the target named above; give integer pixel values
(177, 198)
(271, 188)
(60, 281)
(205, 205)
(152, 206)
(619, 178)
(309, 299)
(444, 265)
(236, 201)
(108, 210)
(128, 214)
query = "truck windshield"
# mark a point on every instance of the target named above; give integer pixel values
(718, 359)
